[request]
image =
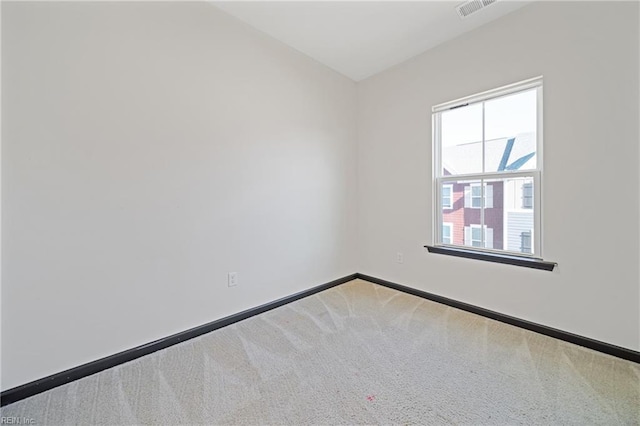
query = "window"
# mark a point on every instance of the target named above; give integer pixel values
(476, 196)
(487, 147)
(527, 196)
(525, 242)
(447, 196)
(447, 233)
(474, 237)
(473, 196)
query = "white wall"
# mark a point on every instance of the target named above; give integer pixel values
(148, 149)
(588, 55)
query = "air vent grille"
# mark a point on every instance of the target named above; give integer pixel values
(472, 6)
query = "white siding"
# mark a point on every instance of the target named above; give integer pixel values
(517, 223)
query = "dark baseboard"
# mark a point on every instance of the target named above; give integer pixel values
(596, 345)
(29, 389)
(33, 388)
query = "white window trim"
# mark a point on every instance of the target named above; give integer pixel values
(536, 175)
(490, 94)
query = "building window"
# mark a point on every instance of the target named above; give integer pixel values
(489, 146)
(474, 237)
(527, 196)
(473, 196)
(447, 196)
(525, 242)
(447, 233)
(476, 196)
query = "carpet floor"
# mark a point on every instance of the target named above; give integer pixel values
(358, 353)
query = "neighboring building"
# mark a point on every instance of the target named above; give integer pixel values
(508, 214)
(463, 218)
(519, 222)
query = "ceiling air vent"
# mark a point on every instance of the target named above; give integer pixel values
(472, 6)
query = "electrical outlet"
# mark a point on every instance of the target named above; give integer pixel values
(232, 279)
(400, 257)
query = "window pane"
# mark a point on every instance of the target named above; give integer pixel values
(461, 214)
(510, 132)
(461, 140)
(502, 200)
(507, 218)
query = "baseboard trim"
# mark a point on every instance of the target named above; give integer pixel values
(33, 388)
(596, 345)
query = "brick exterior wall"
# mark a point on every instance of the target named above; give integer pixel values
(460, 216)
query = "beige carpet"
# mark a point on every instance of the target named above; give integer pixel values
(358, 353)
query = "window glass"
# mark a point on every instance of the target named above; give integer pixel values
(510, 132)
(462, 140)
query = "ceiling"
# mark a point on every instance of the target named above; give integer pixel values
(362, 38)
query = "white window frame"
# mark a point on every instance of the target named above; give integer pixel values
(450, 226)
(439, 179)
(450, 205)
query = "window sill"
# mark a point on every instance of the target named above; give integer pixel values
(492, 257)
